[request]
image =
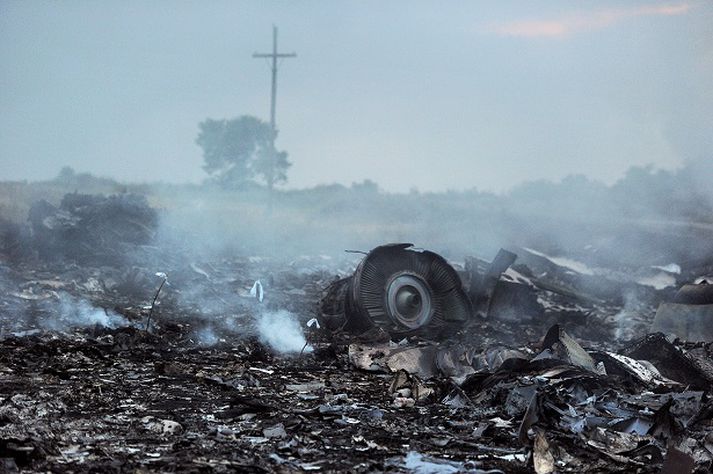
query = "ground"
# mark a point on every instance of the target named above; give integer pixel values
(96, 399)
(127, 345)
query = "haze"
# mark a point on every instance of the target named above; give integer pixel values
(426, 95)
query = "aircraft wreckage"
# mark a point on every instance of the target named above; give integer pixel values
(405, 291)
(518, 364)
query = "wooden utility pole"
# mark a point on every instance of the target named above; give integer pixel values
(274, 56)
(273, 98)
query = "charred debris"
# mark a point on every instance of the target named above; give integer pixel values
(403, 362)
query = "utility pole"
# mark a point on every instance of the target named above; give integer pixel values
(274, 56)
(273, 97)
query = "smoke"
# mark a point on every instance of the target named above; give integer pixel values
(75, 312)
(637, 222)
(206, 336)
(216, 243)
(62, 313)
(281, 331)
(629, 320)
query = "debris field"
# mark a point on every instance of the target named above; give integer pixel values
(130, 357)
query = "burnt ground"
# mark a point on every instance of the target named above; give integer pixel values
(87, 398)
(102, 405)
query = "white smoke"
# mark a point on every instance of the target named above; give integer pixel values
(206, 336)
(629, 319)
(29, 311)
(75, 312)
(281, 331)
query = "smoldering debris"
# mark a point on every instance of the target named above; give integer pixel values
(92, 228)
(397, 291)
(281, 331)
(531, 363)
(56, 311)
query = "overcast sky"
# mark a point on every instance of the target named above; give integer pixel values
(429, 95)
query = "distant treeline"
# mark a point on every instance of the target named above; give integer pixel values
(686, 193)
(650, 215)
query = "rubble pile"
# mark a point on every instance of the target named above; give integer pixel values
(91, 228)
(528, 363)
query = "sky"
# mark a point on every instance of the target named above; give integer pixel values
(410, 94)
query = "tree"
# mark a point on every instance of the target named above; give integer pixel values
(241, 150)
(271, 166)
